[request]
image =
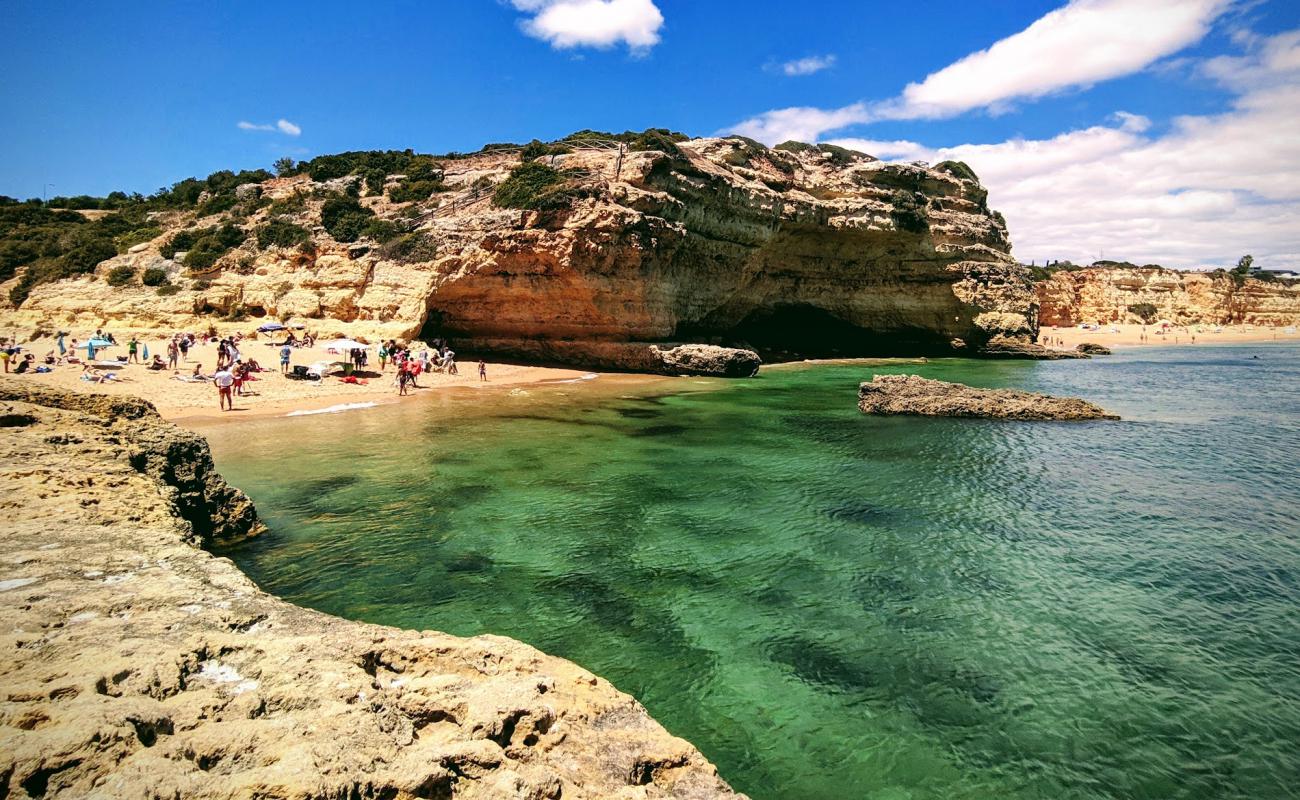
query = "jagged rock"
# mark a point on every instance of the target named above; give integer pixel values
(1102, 295)
(707, 359)
(135, 664)
(1001, 347)
(248, 191)
(803, 253)
(1093, 349)
(913, 395)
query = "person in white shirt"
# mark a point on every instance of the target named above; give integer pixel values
(225, 382)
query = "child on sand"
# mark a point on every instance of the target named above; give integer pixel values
(482, 370)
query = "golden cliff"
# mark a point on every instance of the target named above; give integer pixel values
(803, 250)
(1121, 294)
(138, 665)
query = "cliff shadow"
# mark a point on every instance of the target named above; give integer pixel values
(787, 332)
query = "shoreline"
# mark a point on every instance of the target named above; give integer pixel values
(1178, 336)
(274, 396)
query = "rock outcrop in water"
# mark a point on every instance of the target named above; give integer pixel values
(134, 664)
(803, 251)
(1108, 294)
(890, 395)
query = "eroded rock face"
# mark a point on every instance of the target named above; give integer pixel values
(1093, 349)
(723, 243)
(890, 395)
(1103, 295)
(135, 664)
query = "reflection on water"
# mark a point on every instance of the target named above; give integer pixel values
(834, 606)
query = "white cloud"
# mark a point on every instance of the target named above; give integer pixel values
(808, 65)
(283, 126)
(1202, 193)
(593, 23)
(801, 124)
(1082, 43)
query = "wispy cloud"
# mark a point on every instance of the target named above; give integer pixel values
(1080, 44)
(567, 24)
(1204, 192)
(808, 65)
(282, 126)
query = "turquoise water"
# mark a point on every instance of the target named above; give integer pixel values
(836, 606)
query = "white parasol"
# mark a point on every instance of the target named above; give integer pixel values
(345, 344)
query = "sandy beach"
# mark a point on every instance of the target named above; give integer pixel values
(272, 394)
(1149, 335)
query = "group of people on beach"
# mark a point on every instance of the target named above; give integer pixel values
(235, 369)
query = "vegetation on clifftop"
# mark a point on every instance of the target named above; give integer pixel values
(533, 186)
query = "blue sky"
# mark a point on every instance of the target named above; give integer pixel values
(135, 96)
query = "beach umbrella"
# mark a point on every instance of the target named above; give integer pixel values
(270, 327)
(96, 342)
(345, 344)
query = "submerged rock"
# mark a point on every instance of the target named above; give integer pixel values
(1016, 348)
(138, 665)
(914, 395)
(1093, 349)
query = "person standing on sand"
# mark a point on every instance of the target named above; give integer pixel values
(225, 382)
(482, 370)
(286, 351)
(383, 355)
(173, 354)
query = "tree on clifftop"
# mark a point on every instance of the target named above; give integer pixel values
(1244, 265)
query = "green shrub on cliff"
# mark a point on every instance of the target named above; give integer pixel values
(1147, 312)
(153, 276)
(344, 218)
(119, 276)
(48, 245)
(416, 246)
(382, 230)
(908, 213)
(533, 186)
(278, 233)
(203, 246)
(791, 146)
(957, 169)
(130, 239)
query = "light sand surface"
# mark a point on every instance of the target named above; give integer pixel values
(271, 394)
(1140, 336)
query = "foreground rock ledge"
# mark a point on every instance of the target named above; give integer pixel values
(912, 394)
(135, 664)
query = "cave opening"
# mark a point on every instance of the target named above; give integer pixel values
(794, 331)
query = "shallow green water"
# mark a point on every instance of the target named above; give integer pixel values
(835, 606)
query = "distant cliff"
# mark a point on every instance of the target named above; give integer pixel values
(1110, 294)
(577, 251)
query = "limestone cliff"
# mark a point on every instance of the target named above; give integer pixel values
(134, 664)
(722, 241)
(1105, 294)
